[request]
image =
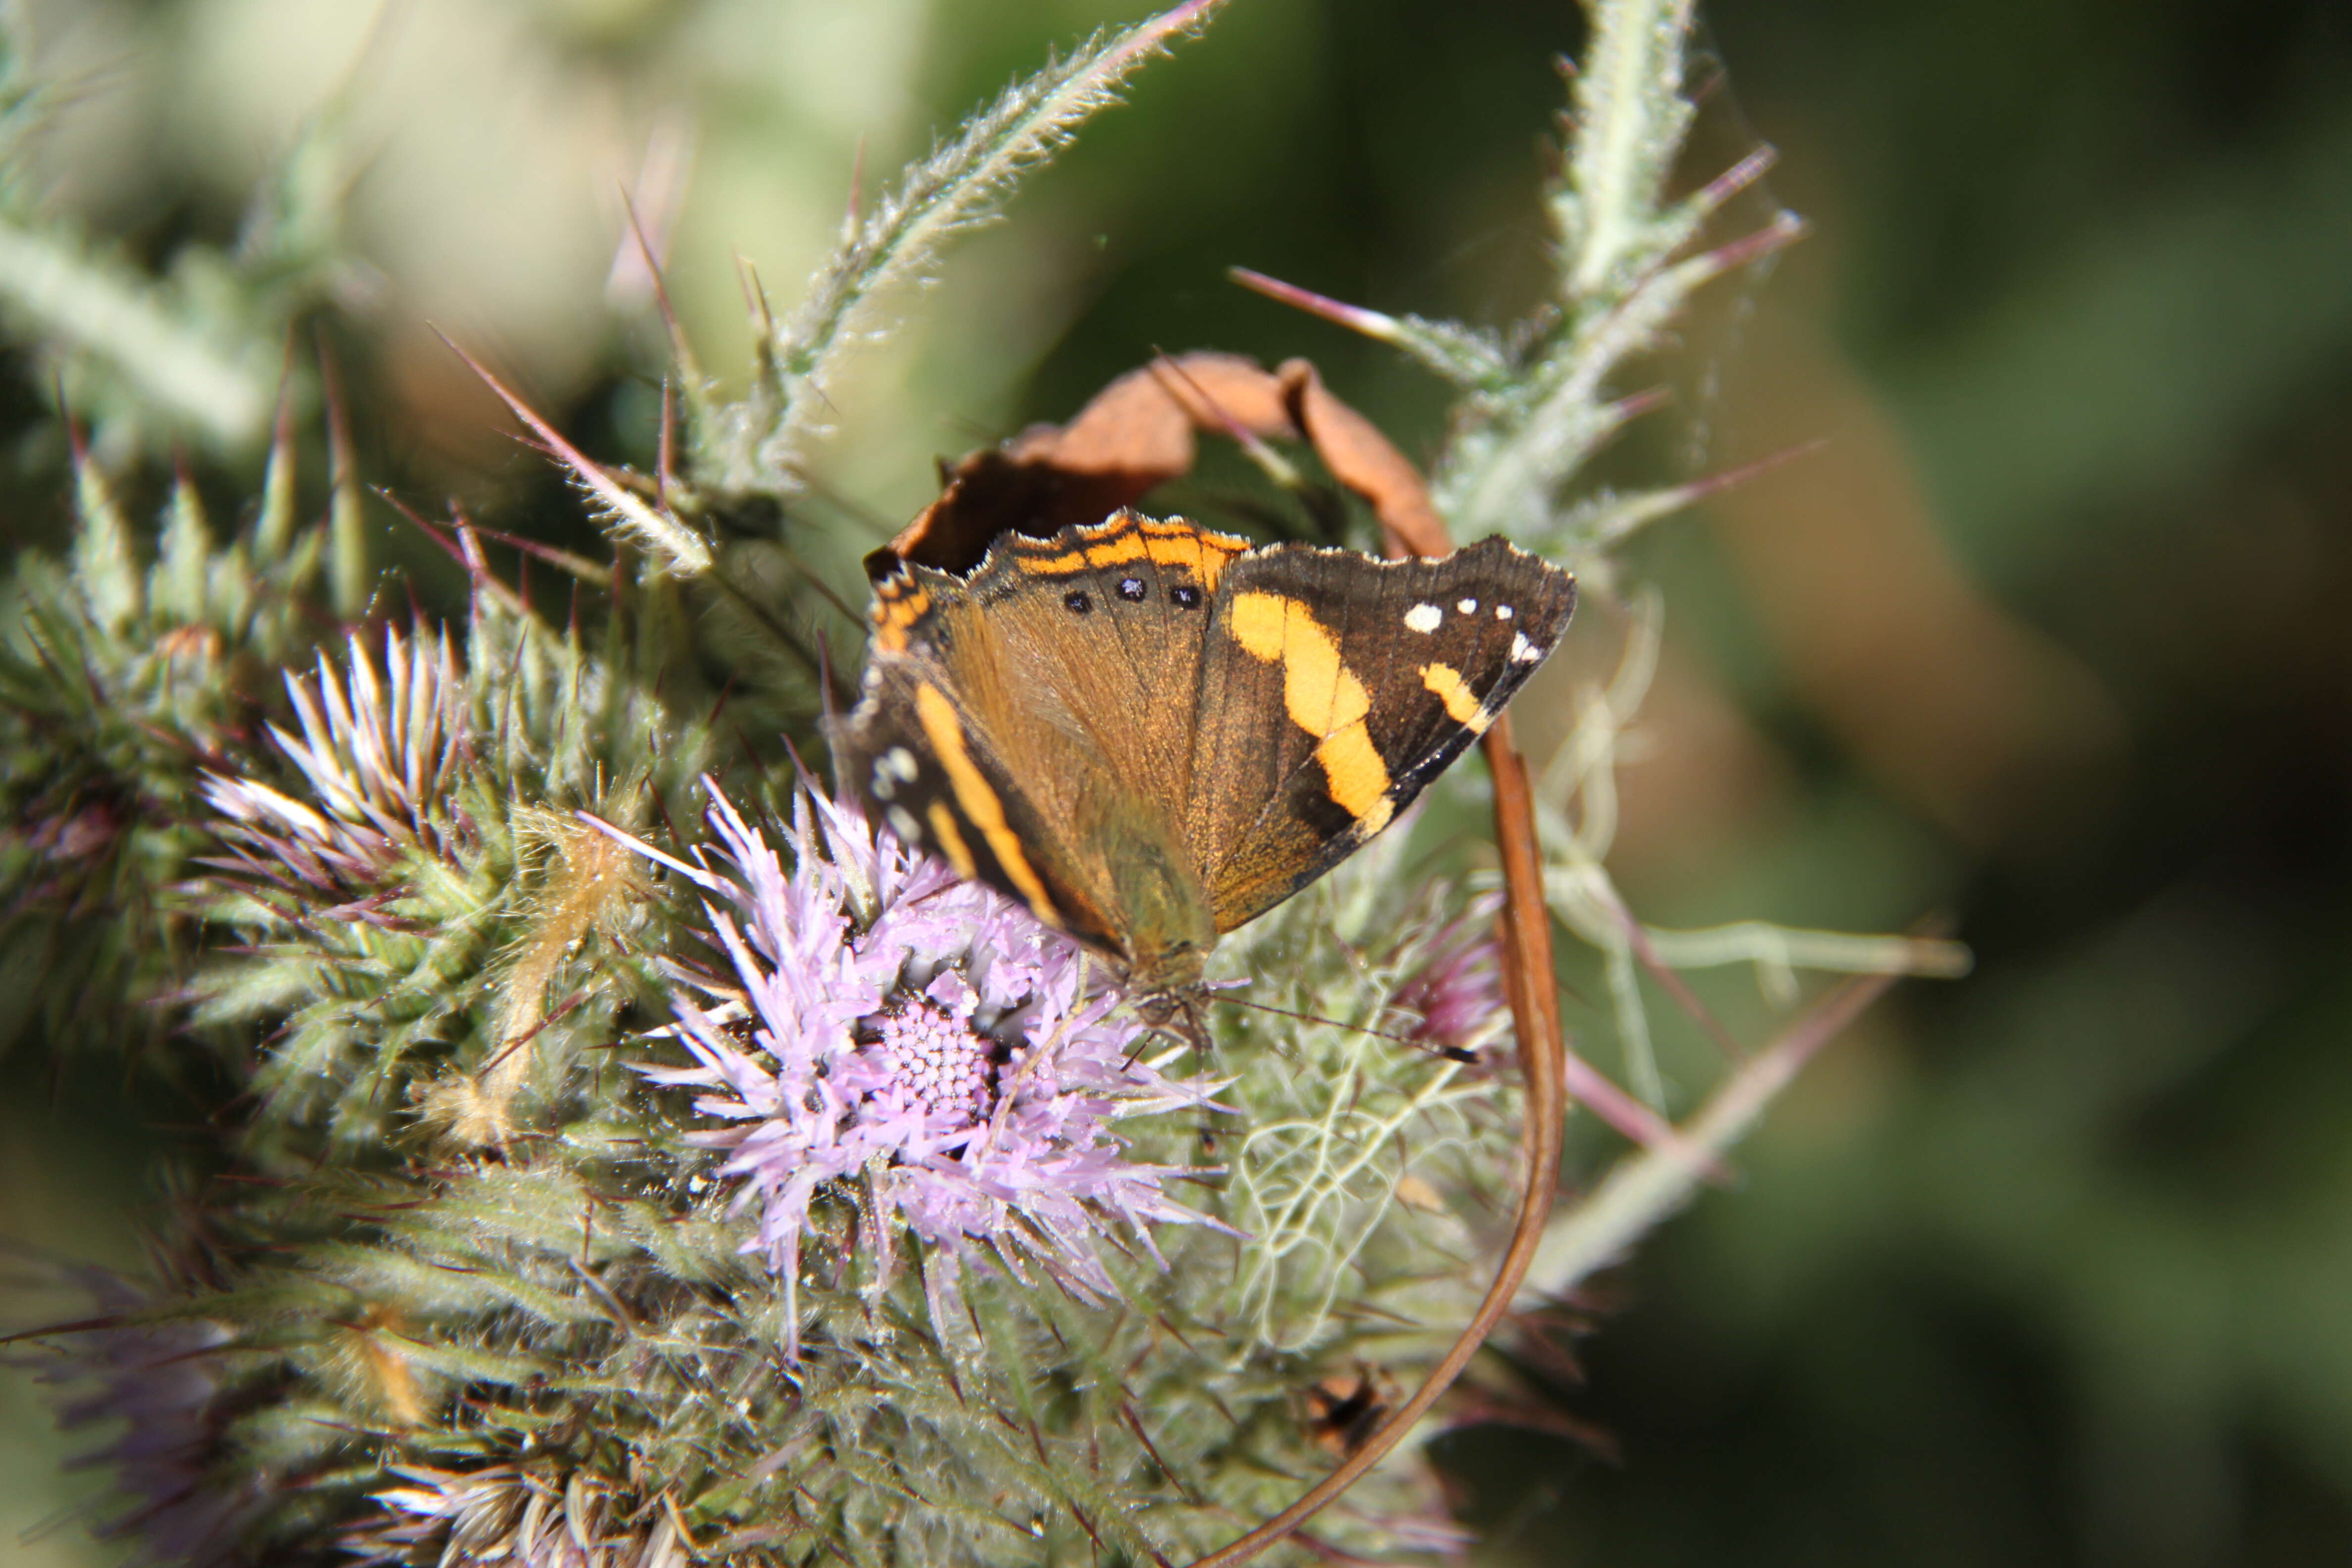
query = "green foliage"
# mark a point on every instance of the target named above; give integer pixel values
(117, 681)
(1623, 278)
(477, 895)
(759, 443)
(195, 354)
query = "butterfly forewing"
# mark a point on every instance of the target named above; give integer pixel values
(1345, 685)
(1070, 662)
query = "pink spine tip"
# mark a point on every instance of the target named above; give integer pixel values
(1355, 318)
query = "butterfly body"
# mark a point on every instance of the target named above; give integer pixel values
(1149, 732)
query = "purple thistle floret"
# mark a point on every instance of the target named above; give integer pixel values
(503, 1515)
(921, 1035)
(154, 1383)
(1457, 991)
(375, 749)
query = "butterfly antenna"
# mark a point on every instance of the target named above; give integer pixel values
(1451, 1053)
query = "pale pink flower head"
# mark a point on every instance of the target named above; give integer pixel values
(505, 1515)
(1456, 992)
(921, 1036)
(377, 740)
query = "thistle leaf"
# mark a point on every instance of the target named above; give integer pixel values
(57, 288)
(763, 443)
(1629, 119)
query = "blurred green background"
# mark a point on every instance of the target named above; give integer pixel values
(2054, 1265)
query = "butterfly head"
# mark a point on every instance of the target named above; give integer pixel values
(1181, 1015)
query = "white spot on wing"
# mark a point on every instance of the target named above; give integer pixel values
(1522, 650)
(1468, 606)
(902, 823)
(882, 784)
(1502, 611)
(1423, 619)
(901, 762)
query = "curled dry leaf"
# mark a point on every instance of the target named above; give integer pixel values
(1141, 431)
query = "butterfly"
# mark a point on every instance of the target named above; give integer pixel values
(1150, 733)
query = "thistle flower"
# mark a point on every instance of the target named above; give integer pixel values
(160, 1382)
(374, 754)
(67, 840)
(1457, 992)
(504, 1515)
(925, 1035)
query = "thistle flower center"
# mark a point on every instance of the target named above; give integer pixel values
(935, 1058)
